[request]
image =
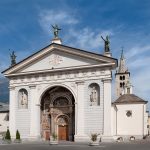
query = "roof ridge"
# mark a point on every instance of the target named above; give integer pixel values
(129, 98)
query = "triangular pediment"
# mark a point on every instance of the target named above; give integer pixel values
(56, 56)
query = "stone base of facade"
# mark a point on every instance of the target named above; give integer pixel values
(128, 137)
(107, 139)
(81, 138)
(35, 138)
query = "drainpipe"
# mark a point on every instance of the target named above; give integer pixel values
(143, 120)
(116, 117)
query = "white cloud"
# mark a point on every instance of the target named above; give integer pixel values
(50, 17)
(86, 38)
(140, 81)
(137, 50)
(90, 39)
(139, 62)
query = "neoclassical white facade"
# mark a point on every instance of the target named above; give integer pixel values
(60, 70)
(67, 92)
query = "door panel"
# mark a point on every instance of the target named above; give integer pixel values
(63, 132)
(47, 135)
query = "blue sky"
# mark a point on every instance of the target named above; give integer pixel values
(25, 27)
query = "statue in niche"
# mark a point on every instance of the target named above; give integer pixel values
(107, 42)
(23, 99)
(93, 95)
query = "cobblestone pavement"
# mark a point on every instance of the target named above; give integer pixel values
(138, 145)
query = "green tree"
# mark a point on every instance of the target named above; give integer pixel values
(17, 135)
(8, 136)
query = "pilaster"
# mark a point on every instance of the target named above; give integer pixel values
(80, 112)
(12, 111)
(35, 114)
(107, 110)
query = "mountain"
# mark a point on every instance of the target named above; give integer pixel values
(4, 91)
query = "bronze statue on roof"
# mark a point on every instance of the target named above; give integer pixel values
(107, 42)
(13, 58)
(56, 30)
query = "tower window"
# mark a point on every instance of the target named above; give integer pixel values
(123, 77)
(120, 77)
(121, 84)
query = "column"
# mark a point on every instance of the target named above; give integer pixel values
(79, 118)
(35, 114)
(107, 109)
(12, 112)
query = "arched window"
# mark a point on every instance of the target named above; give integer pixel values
(121, 84)
(61, 101)
(23, 98)
(94, 96)
(120, 77)
(123, 77)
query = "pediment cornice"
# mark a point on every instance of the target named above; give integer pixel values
(103, 60)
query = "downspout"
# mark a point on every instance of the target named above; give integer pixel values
(116, 117)
(143, 120)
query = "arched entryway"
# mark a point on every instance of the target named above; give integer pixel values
(58, 114)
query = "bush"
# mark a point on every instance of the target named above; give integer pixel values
(54, 136)
(17, 135)
(94, 137)
(8, 136)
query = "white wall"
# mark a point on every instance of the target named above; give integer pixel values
(113, 120)
(128, 126)
(22, 116)
(93, 114)
(3, 123)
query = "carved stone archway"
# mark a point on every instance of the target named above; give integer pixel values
(57, 103)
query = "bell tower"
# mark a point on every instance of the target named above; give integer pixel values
(122, 77)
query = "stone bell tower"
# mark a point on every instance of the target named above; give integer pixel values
(122, 77)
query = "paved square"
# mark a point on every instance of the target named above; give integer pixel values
(140, 145)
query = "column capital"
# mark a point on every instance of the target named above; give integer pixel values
(32, 86)
(37, 104)
(80, 82)
(107, 80)
(11, 88)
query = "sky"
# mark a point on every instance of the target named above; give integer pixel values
(25, 27)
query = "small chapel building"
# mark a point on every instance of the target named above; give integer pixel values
(67, 91)
(129, 115)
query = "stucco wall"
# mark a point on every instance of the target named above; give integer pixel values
(93, 114)
(22, 115)
(133, 125)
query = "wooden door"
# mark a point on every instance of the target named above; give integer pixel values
(63, 132)
(47, 135)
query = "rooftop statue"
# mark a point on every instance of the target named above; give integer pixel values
(107, 42)
(56, 30)
(13, 58)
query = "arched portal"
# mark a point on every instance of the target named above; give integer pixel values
(58, 114)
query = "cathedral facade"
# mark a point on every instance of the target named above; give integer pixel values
(64, 91)
(61, 90)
